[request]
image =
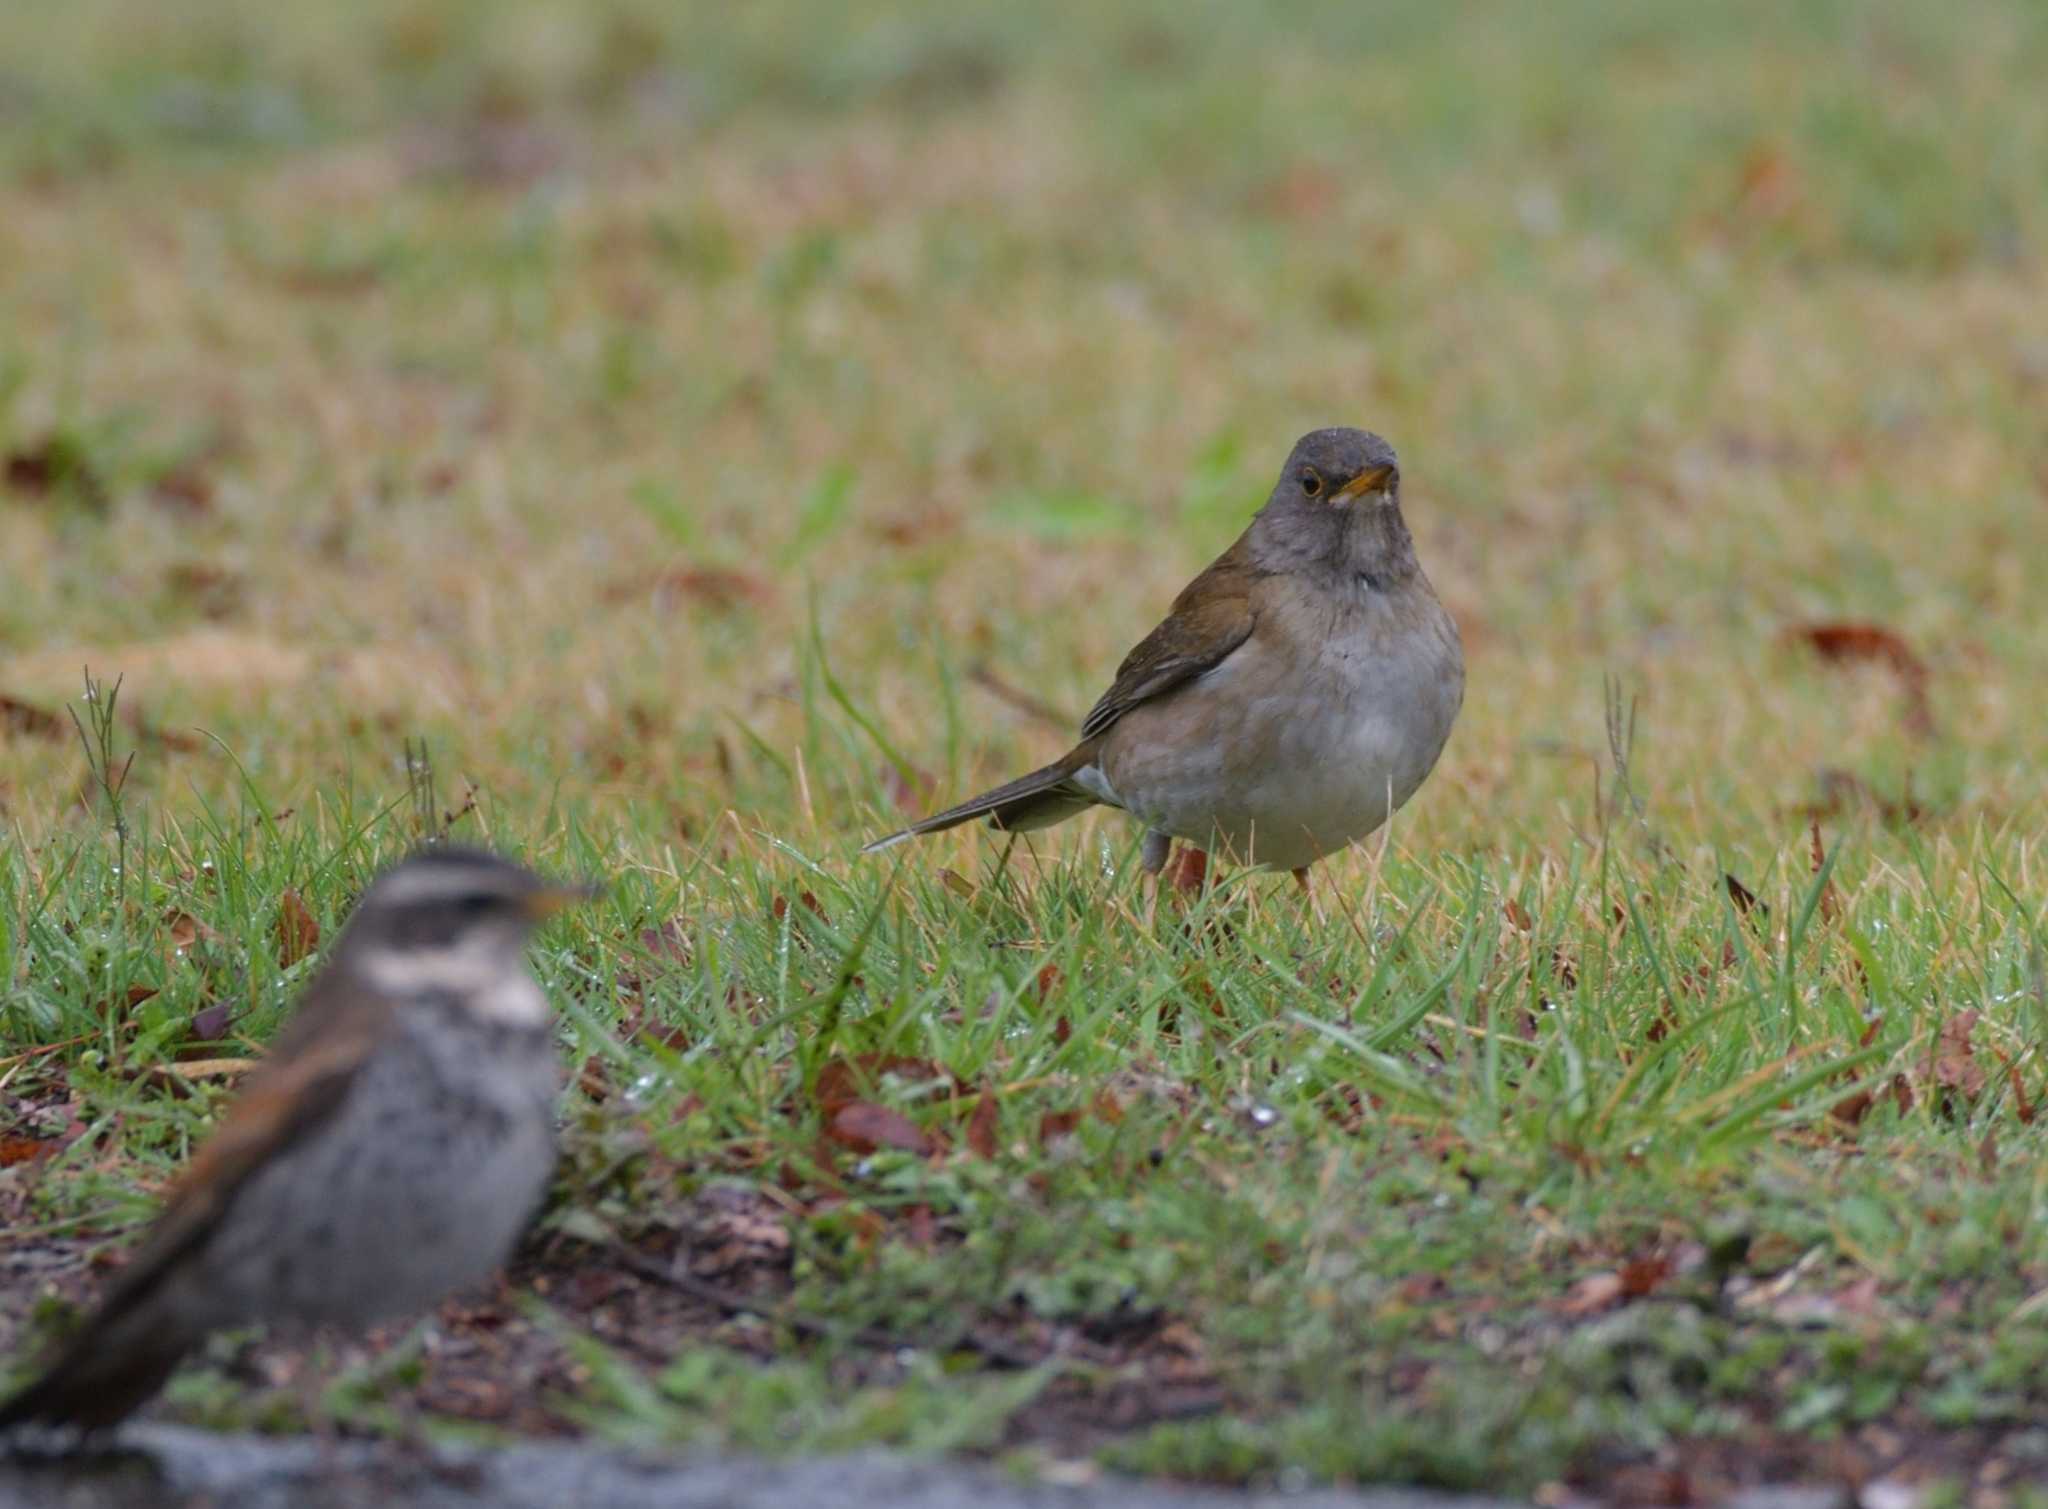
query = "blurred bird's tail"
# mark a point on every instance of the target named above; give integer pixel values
(1048, 795)
(100, 1380)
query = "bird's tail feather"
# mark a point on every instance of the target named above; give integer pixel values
(1046, 796)
(101, 1378)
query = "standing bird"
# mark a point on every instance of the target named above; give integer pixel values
(390, 1148)
(1299, 691)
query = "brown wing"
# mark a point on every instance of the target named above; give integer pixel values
(1211, 617)
(339, 1021)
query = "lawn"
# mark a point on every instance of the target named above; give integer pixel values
(673, 444)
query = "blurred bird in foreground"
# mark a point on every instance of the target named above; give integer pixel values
(389, 1149)
(1299, 691)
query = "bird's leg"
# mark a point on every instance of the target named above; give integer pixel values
(1158, 847)
(1308, 893)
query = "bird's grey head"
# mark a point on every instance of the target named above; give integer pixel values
(452, 919)
(1338, 501)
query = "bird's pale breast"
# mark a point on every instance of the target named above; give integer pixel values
(419, 1183)
(1306, 738)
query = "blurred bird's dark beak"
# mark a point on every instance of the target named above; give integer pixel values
(1373, 479)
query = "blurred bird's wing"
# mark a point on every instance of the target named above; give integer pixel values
(298, 1087)
(1212, 616)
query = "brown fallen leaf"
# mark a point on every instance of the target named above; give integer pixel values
(669, 943)
(30, 721)
(1830, 908)
(1592, 1294)
(1770, 185)
(2023, 1105)
(1846, 642)
(982, 1133)
(1743, 897)
(1054, 1125)
(56, 461)
(1518, 918)
(865, 1126)
(842, 1081)
(178, 1078)
(1956, 1070)
(713, 586)
(211, 1024)
(298, 934)
(15, 1150)
(1645, 1275)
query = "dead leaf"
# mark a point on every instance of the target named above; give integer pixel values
(1851, 1109)
(177, 1078)
(982, 1126)
(864, 1126)
(1987, 1153)
(840, 1082)
(957, 883)
(1955, 1058)
(211, 1024)
(1054, 1125)
(713, 586)
(25, 718)
(1565, 968)
(1770, 184)
(1645, 1275)
(15, 1150)
(184, 489)
(669, 943)
(298, 934)
(1843, 643)
(2022, 1105)
(56, 461)
(1108, 1108)
(1743, 897)
(1048, 980)
(1830, 908)
(1519, 919)
(781, 907)
(1592, 1294)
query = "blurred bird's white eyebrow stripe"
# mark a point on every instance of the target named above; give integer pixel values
(438, 883)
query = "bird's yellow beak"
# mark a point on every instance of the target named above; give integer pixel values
(1371, 480)
(548, 900)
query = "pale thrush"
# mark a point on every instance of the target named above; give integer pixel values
(1299, 691)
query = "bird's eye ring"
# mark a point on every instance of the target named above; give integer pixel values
(1312, 484)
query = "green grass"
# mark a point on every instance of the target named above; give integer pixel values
(671, 417)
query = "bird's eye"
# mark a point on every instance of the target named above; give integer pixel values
(476, 903)
(1312, 484)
